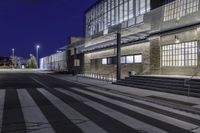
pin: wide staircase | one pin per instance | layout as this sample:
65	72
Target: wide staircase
183	86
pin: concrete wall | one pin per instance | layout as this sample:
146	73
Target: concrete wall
93	61
160	32
183	35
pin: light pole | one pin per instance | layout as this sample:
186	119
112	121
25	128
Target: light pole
13	57
37	51
118	69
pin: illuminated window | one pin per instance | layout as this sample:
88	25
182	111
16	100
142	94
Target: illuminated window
125	10
77	62
137	58
72	52
108	13
129	59
123	60
180	54
180	8
109	61
104	61
131	14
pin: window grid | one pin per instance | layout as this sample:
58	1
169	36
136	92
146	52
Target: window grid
180	8
108	13
180	54
134	59
128	59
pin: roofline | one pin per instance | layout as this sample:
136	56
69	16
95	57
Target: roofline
90	7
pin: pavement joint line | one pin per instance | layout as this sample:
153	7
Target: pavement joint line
167	104
45	86
39	82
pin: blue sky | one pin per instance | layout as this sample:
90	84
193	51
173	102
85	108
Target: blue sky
24	23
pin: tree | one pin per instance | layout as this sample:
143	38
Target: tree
32	63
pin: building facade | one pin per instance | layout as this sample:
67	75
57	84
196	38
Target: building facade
75	58
56	61
5	62
157	37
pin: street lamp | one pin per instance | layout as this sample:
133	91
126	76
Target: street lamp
13	52
13	56
37	50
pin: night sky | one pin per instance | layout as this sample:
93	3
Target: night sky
24	23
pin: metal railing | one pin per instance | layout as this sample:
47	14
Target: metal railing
187	81
103	77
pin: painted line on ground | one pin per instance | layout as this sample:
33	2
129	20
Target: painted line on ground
36	122
86	125
2	101
194	116
160	117
123	118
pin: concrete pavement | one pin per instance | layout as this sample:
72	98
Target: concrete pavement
43	103
130	90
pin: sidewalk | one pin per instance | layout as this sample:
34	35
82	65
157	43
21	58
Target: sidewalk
130	90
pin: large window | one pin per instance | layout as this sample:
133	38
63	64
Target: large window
138	58
104	61
180	54
128	59
108	13
180	8
109	60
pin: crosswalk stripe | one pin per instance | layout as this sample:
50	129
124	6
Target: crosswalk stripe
79	120
35	120
107	123
57	119
194	116
2	100
196	130
13	119
160	117
129	121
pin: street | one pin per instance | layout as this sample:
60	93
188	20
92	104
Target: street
39	103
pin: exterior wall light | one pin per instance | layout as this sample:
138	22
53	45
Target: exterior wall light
177	40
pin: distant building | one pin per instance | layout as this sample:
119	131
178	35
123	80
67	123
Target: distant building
5	62
56	61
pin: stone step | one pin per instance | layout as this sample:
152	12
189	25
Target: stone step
159	89
171	80
164	84
161	82
185	88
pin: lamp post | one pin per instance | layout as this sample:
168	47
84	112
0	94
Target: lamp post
118	69
13	56
37	51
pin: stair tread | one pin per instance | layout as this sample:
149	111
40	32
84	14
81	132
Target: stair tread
164	84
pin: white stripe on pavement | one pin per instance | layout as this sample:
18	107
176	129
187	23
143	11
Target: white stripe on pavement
86	125
195	116
160	117
129	121
196	130
2	102
36	122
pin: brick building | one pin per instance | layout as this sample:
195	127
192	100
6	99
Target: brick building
157	37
